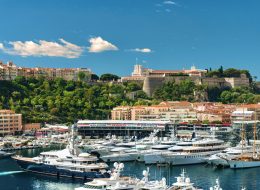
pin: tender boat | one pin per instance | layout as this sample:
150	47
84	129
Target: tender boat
183	183
216	186
115	182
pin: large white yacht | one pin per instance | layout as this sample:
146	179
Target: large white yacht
246	160
221	159
155	154
120	154
197	153
68	162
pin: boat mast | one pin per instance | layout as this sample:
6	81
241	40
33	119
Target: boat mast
72	140
254	145
242	134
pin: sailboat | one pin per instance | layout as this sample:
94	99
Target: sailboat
246	160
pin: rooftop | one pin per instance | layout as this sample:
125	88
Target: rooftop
122	122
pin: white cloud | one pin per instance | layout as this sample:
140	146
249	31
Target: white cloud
169	2
143	50
43	48
100	45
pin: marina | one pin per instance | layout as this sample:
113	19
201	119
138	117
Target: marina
68	166
129	95
201	175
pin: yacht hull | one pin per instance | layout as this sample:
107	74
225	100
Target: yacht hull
234	164
185	160
154	159
52	170
217	161
118	158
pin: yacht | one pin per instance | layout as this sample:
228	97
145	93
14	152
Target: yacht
68	162
155	155
195	154
120	154
220	159
158	152
183	183
216	186
246	160
115	182
146	184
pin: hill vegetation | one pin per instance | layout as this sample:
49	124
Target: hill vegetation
60	101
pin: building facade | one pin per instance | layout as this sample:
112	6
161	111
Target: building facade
177	112
153	79
10	122
10	71
121	128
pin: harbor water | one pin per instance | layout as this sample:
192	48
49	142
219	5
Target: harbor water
12	178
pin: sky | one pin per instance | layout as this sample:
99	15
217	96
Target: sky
111	36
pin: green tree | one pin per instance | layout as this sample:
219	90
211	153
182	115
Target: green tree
109	77
82	76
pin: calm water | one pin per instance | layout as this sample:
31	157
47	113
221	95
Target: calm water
200	175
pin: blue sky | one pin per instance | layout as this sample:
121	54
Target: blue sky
108	35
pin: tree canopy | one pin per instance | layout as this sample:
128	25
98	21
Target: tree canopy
230	72
60	101
109	77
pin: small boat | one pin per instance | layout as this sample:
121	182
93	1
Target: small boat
146	184
115	182
183	183
217	186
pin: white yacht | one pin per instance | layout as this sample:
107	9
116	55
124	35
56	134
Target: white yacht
221	159
195	154
246	160
216	186
183	183
115	182
158	152
120	154
145	184
155	155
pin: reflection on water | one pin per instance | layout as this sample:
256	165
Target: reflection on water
10	172
200	175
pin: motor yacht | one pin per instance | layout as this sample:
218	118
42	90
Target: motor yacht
68	162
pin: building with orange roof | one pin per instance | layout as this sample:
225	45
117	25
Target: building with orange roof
10	71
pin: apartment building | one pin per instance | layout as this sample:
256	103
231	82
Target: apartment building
10	71
175	111
178	112
10	122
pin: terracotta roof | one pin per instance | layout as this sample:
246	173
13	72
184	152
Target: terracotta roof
168	71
